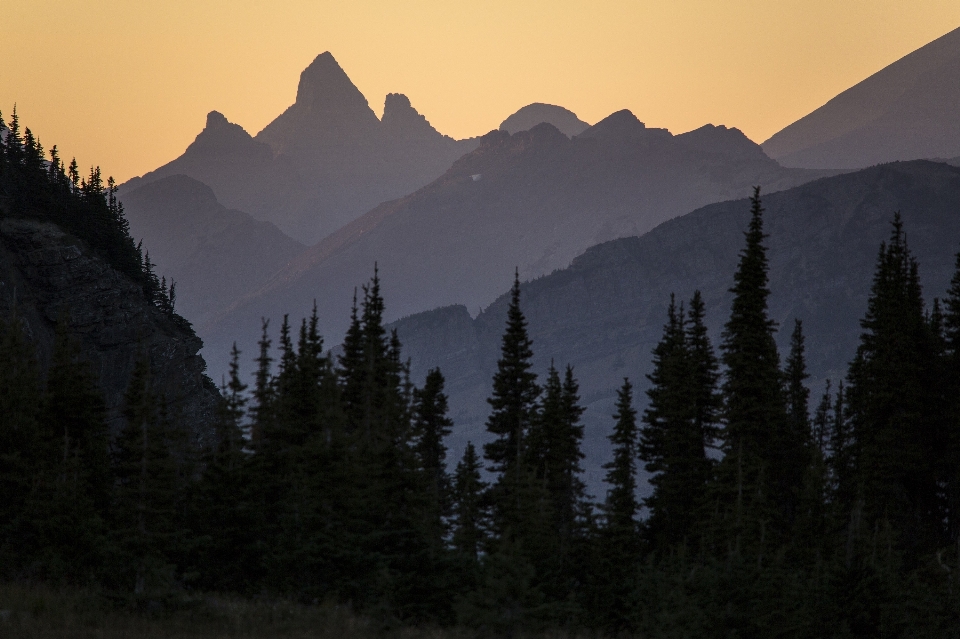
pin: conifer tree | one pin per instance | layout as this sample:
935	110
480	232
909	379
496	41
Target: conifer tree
672	443
469	518
72	484
144	504
432	425
616	557
20	403
758	485
951	384
889	396
514	409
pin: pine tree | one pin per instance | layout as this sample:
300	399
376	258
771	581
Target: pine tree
757	484
144	523
72	486
514	409
889	395
432	425
951	382
469	518
20	403
615	561
673	441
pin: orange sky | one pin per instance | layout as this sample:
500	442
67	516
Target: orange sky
126	84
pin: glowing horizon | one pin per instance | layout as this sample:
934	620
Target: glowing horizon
127	86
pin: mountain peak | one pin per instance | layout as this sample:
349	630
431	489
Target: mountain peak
220	135
730	142
533	114
401	120
325	87
620	124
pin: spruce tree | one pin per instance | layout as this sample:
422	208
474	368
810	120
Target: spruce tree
514	409
757	483
890	397
432	425
673	442
20	403
951	383
469	517
144	523
71	494
615	561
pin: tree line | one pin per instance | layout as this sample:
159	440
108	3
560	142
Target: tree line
327	478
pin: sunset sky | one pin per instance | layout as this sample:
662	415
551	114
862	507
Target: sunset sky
127	84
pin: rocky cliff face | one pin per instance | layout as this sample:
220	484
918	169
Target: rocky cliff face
49	275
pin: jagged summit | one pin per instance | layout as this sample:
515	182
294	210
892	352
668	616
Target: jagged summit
323	162
730	142
221	136
533	114
325	88
401	120
329	109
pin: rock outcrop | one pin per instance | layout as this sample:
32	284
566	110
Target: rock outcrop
50	276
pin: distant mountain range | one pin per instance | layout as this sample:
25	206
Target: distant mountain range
908	110
605	312
533	200
322	162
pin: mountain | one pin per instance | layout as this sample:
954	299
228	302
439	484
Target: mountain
533	114
47	274
324	161
906	111
215	254
605	312
532	200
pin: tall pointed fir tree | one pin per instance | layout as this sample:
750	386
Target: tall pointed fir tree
432	425
469	516
71	495
144	510
222	515
619	544
757	485
890	394
673	440
514	409
951	336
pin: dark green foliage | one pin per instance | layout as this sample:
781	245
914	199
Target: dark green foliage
86	208
678	426
758	480
893	406
329	482
514	409
615	568
432	425
144	521
20	404
469	516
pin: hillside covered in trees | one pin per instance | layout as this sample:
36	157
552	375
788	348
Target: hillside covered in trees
327	478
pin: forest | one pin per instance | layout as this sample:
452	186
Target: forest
326	478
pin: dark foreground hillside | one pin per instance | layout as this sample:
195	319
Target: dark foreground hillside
604	313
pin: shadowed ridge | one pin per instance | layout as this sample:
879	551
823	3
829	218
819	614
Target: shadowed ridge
905	111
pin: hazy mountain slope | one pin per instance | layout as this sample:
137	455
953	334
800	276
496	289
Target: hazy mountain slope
215	254
533	200
533	114
906	111
322	162
605	313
